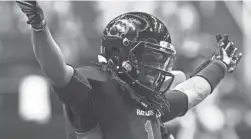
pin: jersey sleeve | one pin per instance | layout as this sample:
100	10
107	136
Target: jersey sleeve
77	92
78	103
178	102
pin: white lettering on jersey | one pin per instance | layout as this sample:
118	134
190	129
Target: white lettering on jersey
145	113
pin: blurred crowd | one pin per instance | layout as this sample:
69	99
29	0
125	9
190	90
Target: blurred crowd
29	109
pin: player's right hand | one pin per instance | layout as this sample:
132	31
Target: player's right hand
227	53
33	12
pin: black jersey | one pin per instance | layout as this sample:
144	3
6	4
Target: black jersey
93	98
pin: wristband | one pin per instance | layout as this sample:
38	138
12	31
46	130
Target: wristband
43	24
213	73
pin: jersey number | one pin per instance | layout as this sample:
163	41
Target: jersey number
149	129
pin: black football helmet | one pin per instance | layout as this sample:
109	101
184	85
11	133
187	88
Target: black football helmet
138	45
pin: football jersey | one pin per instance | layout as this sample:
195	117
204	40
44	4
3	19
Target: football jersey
93	98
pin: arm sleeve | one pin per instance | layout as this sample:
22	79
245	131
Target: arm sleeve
178	102
78	103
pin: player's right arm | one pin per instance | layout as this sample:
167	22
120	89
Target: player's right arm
45	48
71	86
51	58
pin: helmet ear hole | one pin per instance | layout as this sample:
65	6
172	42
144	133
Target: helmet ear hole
126	42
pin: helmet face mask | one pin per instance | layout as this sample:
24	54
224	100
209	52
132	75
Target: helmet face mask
153	63
140	47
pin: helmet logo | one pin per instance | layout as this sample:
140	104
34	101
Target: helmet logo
119	28
128	26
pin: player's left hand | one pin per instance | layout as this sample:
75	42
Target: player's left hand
227	53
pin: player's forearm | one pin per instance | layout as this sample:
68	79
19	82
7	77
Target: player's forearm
196	89
203	83
49	57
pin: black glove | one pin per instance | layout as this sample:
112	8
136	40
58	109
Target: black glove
227	53
34	13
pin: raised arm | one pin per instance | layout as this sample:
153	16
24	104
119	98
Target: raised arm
51	58
210	73
202	83
45	48
70	85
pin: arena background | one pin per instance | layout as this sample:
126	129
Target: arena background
30	110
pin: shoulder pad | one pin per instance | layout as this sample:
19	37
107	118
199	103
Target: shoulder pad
93	73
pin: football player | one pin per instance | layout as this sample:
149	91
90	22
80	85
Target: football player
126	94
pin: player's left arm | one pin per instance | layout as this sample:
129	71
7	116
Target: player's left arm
202	83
